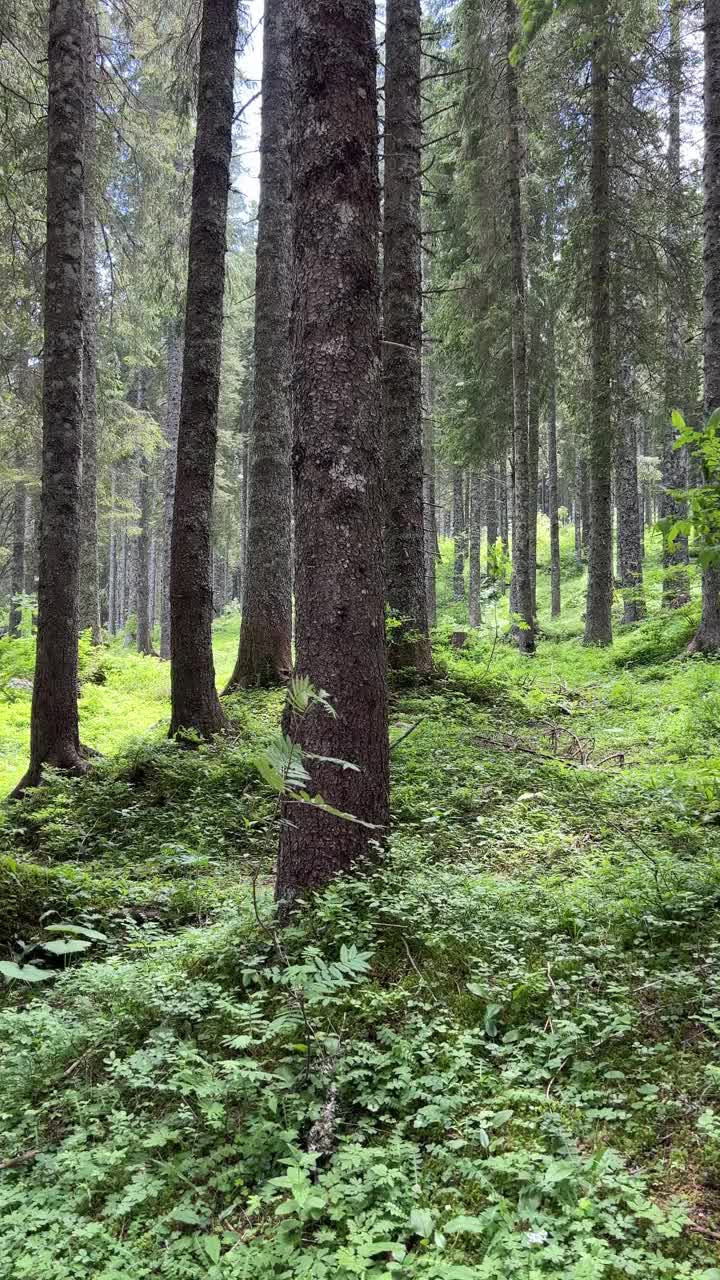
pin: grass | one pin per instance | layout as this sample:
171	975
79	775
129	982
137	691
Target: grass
508	1032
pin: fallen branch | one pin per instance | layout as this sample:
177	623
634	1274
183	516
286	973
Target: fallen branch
23	1158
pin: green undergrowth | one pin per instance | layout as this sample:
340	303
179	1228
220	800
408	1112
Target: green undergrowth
493	1057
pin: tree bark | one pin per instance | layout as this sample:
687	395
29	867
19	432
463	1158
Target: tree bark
459	533
265	651
172	422
474	609
195	703
402	339
54	732
338	443
429	499
598	615
676	583
707	638
89	572
491	518
17	563
143	637
553	475
522	602
629	517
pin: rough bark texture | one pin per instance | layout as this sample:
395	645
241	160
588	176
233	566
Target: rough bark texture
707	638
265	652
143	637
172	422
491	520
429	513
553	478
54	735
676	584
89	605
459	533
338	441
112	559
17	563
474	610
195	704
522	602
598	616
402	334
629	518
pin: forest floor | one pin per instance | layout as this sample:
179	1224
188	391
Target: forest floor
508	1035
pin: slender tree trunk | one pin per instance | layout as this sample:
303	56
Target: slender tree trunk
112	557
429	499
522	602
142	607
244	495
89	570
459	533
491	517
264	656
707	638
474	609
533	469
402	345
338	447
195	703
629	518
553	475
676	582
17	563
54	732
598	616
32	535
172	422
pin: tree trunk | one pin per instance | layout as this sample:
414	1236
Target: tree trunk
338	445
143	636
264	655
17	563
429	499
598	616
195	703
402	344
474	610
629	518
491	517
676	583
521	537
459	533
553	475
707	638
172	422
54	732
89	573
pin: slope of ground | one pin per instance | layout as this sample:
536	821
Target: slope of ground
495	1057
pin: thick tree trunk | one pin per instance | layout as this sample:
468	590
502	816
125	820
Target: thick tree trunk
195	703
522	600
172	422
54	733
707	638
474	609
402	334
676	583
598	616
629	518
491	518
459	533
553	477
429	499
89	571
17	563
338	445
264	655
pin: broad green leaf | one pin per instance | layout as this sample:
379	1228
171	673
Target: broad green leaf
464	1225
80	929
422	1222
69	948
25	972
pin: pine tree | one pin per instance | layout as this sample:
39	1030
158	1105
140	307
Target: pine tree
338	453
195	704
264	655
54	731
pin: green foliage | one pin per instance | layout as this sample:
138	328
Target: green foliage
703	522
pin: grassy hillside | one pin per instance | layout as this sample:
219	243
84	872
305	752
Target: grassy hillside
495	1057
